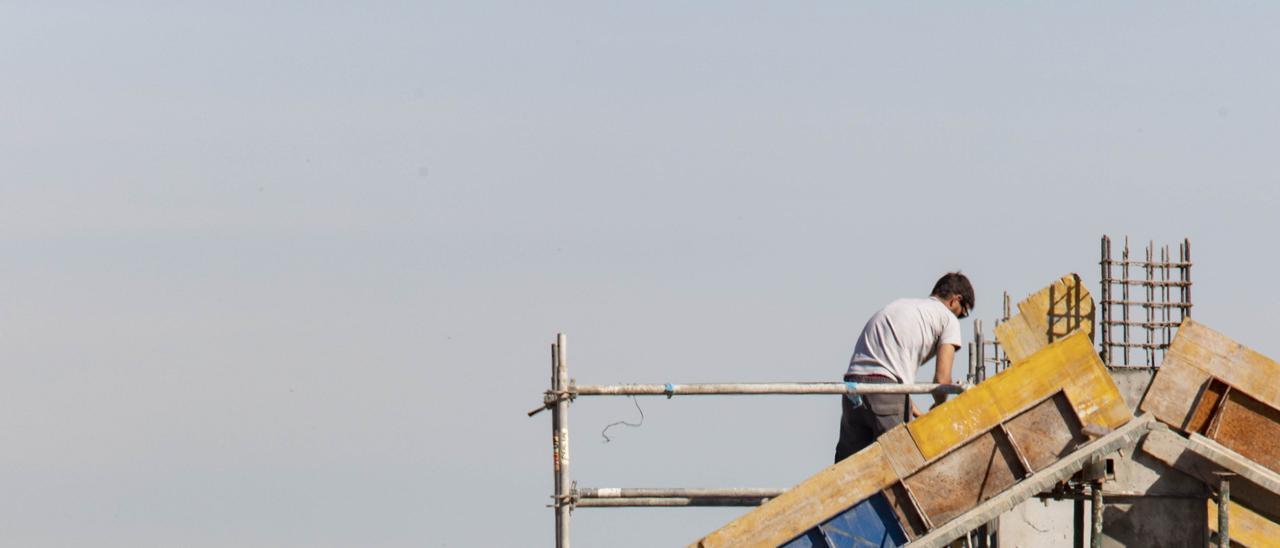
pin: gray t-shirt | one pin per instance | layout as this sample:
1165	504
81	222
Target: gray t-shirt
902	336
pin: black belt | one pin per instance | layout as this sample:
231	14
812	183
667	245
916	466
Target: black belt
869	378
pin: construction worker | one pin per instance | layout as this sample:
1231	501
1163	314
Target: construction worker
896	341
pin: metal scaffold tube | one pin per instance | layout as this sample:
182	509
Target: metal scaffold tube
560	443
668	502
762	388
675	492
1224	509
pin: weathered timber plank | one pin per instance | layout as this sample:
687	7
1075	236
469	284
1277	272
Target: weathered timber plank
1174	450
1247	527
1122	437
964	478
901	450
1174	390
908	516
1234	462
1226	359
1028	331
1070	364
1046	432
830	491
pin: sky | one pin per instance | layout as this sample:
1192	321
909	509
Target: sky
287	274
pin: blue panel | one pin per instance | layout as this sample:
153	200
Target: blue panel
868	524
812	538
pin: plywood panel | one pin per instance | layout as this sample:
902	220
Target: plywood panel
1046	432
1234	363
905	510
965	477
901	450
1028	331
1247	528
1174	389
813	501
1237	396
1070	364
1250	428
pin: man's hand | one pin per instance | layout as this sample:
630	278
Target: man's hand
915	411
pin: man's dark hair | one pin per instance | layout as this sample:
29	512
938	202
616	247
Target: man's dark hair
954	283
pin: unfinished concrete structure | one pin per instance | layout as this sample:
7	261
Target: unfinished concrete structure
1171	476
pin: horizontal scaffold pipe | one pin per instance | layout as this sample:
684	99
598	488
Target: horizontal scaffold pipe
669	502
675	492
759	388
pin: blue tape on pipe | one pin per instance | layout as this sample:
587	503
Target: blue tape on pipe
854	398
670	390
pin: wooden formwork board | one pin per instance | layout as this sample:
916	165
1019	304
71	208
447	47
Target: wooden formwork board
1215	387
1246	527
1255	491
835	488
1070	365
1047	315
958	455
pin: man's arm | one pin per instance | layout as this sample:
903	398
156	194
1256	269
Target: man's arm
942	373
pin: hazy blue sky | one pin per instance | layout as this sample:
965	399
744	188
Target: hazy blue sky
286	274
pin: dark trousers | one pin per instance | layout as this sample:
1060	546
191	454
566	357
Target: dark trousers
861	424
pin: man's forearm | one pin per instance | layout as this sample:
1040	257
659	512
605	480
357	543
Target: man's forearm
942	371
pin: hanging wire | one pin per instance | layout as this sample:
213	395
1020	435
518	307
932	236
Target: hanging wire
624	423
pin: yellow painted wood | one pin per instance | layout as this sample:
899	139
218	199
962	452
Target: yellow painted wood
1028	331
1228	360
1174	390
826	494
1069	364
1247	528
901	450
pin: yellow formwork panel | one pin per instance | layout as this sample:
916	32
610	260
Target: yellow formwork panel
1246	528
1028	331
1070	365
825	494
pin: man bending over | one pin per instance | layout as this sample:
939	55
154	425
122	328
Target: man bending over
896	341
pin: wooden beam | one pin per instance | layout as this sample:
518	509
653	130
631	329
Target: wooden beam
1234	462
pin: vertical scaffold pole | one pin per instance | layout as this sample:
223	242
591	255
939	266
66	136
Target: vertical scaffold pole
560	440
1105	264
1096	538
1224	502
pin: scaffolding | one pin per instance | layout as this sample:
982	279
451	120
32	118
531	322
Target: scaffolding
984	352
567	496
